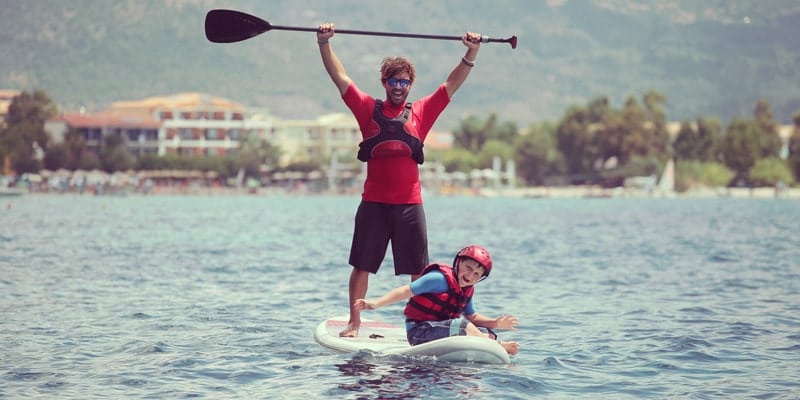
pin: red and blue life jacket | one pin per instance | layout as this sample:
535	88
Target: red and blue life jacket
439	306
391	130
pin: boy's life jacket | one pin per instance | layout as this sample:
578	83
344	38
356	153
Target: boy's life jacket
392	132
439	306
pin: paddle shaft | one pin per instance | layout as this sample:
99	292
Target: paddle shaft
228	26
387	34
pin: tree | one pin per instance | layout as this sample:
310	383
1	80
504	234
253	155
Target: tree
657	137
477	142
152	162
89	161
589	137
687	143
794	148
56	156
253	153
114	155
696	141
536	155
634	131
770	140
575	136
741	146
473	133
494	148
574	140
710	132
458	159
71	154
770	171
610	136
634	139
694	174
506	132
17	145
24	133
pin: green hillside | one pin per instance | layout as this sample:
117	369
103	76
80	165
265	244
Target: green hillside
710	58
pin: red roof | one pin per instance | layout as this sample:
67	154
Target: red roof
439	140
108	120
8	94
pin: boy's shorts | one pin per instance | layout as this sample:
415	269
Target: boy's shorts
421	332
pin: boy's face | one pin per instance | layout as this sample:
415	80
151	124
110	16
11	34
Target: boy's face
469	272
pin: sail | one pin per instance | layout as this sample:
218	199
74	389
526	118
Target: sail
666	184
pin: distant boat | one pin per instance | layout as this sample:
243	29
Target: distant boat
666	185
11	192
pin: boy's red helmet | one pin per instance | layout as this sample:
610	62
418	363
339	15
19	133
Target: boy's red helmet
477	253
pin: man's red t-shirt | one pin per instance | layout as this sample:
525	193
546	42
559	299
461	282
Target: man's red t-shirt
394	180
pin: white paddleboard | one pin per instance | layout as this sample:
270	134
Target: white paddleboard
386	338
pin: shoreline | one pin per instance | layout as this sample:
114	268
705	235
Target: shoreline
537	192
620	192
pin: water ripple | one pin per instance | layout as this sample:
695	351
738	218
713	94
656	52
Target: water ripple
217	297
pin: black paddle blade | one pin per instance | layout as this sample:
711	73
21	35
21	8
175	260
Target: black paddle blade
228	26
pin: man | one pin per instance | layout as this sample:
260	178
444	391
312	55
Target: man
393	131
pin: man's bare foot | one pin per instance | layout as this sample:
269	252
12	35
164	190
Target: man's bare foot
512	348
350	331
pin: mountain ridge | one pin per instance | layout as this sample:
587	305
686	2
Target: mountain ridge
714	58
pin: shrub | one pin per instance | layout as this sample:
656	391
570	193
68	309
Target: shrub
696	174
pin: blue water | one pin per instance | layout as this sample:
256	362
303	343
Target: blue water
217	297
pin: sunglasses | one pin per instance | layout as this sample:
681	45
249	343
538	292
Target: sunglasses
404	83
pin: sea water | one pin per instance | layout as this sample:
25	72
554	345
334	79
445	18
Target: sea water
218	297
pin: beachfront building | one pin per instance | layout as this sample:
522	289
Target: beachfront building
6	97
198	124
186	123
328	136
141	134
201	125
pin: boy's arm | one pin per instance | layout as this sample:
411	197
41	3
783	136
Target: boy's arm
393	296
501	322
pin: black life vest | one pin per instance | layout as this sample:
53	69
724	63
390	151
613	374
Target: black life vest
439	306
391	130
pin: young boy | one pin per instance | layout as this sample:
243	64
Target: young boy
439	298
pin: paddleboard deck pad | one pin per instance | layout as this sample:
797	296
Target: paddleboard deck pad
387	338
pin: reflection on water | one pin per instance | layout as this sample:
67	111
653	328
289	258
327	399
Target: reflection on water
405	377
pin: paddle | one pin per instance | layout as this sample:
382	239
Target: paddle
228	26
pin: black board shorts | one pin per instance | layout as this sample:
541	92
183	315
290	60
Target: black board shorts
376	224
